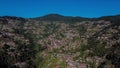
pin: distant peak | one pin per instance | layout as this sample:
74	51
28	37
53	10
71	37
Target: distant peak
53	15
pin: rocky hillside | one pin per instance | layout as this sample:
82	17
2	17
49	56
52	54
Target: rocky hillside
56	41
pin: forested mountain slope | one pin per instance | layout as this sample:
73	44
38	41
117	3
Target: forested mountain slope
60	41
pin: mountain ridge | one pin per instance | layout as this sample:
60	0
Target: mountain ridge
59	15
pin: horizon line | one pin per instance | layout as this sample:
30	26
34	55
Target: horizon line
60	15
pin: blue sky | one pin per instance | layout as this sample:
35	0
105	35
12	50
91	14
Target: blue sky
36	8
